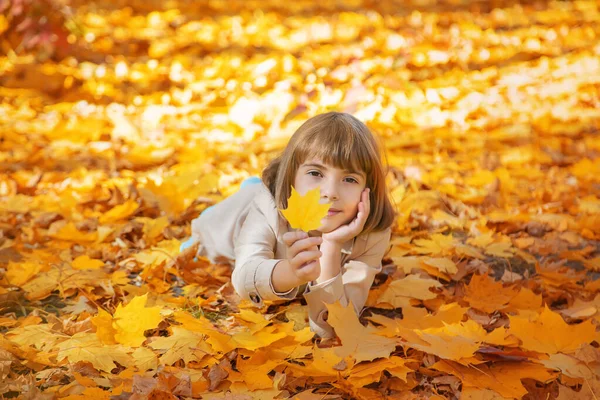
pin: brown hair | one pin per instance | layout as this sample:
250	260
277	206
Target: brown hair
341	140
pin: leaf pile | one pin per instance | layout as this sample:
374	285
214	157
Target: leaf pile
489	116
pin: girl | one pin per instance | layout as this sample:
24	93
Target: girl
337	153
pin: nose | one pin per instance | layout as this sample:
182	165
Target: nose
330	191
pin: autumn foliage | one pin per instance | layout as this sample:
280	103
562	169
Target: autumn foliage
489	114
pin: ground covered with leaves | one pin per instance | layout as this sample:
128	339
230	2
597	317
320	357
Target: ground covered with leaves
144	113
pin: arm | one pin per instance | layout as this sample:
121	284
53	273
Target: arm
254	260
258	275
351	285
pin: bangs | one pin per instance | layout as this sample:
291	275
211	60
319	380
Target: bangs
338	145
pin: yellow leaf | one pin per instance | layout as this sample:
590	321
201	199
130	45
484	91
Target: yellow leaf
181	345
501	249
366	373
131	321
442	264
71	233
84	262
504	378
569	366
104	328
357	341
305	212
438	244
255	340
20	273
144	359
119	212
549	333
90	393
86	347
412	286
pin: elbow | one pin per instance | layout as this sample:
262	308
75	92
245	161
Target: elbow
238	281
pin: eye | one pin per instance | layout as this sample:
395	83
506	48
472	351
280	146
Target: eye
352	180
314	173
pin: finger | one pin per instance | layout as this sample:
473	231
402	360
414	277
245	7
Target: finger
368	202
310	271
304	244
289	238
305	257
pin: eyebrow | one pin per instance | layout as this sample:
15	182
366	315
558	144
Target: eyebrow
324	167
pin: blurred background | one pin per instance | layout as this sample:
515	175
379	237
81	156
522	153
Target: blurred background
492	103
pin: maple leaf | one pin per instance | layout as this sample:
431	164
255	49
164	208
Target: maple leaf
119	212
105	331
305	212
504	377
85	262
549	333
181	345
357	341
400	291
255	370
366	373
131	321
487	295
86	347
144	359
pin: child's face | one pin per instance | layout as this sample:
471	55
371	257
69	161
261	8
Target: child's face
340	188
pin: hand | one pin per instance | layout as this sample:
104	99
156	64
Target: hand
349	231
302	264
303	255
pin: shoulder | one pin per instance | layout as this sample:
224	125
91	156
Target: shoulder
263	201
375	239
376	236
262	197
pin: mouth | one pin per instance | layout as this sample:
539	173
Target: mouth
333	211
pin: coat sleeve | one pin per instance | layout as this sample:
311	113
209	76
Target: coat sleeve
254	260
351	285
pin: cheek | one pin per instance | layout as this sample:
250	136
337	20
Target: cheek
354	198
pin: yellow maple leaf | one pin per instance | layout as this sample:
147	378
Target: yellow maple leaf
366	373
305	212
104	328
504	378
357	341
400	291
144	359
85	262
86	347
438	244
20	273
119	212
549	333
131	321
181	345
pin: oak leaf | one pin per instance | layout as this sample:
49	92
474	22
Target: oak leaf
305	212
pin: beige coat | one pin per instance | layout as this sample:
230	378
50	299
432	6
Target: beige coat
246	227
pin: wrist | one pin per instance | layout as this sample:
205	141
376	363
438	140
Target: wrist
282	278
331	245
